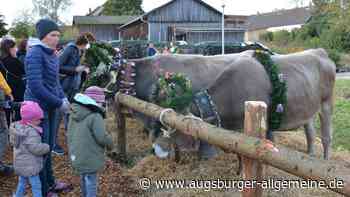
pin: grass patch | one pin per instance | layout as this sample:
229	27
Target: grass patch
341	116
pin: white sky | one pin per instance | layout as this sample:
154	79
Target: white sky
11	8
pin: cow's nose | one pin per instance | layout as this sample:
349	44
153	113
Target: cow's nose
159	151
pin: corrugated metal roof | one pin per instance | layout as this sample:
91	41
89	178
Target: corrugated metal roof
279	18
101	20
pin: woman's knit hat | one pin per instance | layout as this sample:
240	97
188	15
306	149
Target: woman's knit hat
44	27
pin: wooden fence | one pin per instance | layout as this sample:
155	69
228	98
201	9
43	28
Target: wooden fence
256	151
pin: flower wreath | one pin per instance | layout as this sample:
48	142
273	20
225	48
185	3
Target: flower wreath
175	91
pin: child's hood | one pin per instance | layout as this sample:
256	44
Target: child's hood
18	129
83	106
79	112
18	132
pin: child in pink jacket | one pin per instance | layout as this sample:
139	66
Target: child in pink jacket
28	149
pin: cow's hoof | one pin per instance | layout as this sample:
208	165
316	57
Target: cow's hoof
312	154
239	173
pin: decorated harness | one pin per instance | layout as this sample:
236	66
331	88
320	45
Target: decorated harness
175	91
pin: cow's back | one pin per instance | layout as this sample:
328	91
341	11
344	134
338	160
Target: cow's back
201	70
310	80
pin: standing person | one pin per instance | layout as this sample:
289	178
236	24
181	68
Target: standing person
13	70
151	50
71	70
28	148
5	90
173	48
22	50
166	51
4	169
43	87
87	138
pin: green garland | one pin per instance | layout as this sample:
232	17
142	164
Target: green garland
279	89
97	53
176	91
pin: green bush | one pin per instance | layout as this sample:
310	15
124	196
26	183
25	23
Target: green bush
335	56
337	38
303	33
267	37
314	42
282	37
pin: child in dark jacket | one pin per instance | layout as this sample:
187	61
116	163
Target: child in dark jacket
28	149
87	138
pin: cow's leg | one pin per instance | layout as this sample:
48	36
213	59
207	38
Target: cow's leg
269	135
310	134
240	165
326	127
206	150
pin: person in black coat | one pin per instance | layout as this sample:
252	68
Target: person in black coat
22	50
13	71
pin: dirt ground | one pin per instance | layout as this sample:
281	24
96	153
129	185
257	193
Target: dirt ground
122	180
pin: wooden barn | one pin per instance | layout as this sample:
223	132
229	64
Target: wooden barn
191	20
103	27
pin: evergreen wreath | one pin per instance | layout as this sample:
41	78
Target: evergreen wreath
97	53
175	91
279	89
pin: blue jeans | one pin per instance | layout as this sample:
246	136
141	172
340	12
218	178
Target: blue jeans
34	182
3	143
69	94
59	117
3	135
49	125
88	184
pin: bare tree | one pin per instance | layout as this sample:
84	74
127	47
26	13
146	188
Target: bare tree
3	30
51	8
25	16
298	3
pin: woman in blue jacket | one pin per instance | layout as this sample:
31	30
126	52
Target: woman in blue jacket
43	87
70	70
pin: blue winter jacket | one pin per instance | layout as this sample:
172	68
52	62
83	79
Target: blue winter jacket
68	61
43	86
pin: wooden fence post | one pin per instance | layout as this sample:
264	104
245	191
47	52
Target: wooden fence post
254	125
121	135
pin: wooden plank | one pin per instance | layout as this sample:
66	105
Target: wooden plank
254	125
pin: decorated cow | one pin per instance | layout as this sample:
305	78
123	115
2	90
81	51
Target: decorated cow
309	78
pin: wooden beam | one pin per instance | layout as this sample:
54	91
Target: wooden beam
121	136
254	125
